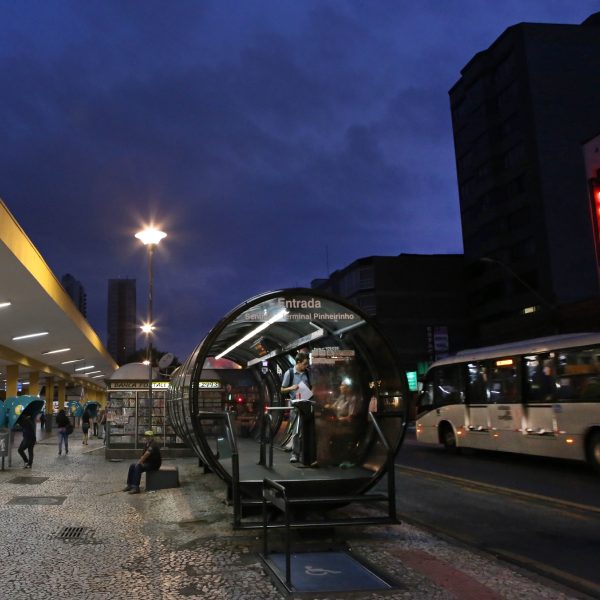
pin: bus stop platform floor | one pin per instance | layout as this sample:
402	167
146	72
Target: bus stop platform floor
69	531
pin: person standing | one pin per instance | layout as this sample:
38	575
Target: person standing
149	461
28	441
303	438
85	425
64	427
343	438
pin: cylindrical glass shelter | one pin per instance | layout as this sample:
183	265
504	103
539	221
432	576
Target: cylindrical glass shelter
238	369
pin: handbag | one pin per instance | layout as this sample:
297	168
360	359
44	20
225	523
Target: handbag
69	428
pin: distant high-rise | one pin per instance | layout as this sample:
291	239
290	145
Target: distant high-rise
121	318
520	113
76	291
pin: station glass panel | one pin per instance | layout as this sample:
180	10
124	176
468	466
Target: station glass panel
238	369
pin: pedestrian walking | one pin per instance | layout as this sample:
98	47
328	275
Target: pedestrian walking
85	425
28	441
65	428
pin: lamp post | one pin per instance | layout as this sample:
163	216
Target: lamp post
551	308
495	261
150	237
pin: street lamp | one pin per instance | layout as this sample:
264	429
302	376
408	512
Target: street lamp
495	261
150	237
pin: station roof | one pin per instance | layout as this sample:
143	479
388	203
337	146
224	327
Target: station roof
39	303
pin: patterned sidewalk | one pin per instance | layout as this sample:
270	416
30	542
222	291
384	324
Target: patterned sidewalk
178	544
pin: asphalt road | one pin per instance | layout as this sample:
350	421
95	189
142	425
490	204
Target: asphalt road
542	514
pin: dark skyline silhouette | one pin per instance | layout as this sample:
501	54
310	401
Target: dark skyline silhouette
272	141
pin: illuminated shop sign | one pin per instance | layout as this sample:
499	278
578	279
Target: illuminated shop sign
411	377
212	384
137	385
329	355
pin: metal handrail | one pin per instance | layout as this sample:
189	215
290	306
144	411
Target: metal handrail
225	416
267	434
272	489
391	475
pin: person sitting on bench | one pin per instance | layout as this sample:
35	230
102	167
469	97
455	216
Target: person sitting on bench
149	461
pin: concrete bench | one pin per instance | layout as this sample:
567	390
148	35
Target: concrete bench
165	477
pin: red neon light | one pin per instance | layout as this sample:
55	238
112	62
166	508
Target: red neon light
597	200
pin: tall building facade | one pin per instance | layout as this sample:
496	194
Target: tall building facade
520	113
416	299
76	292
121	318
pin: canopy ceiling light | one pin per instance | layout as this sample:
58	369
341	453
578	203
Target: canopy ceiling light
29	335
69	362
260	328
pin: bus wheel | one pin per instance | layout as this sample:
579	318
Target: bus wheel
448	438
593	450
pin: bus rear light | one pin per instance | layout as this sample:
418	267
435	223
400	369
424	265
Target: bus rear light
569	441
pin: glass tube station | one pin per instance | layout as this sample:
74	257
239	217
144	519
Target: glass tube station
226	399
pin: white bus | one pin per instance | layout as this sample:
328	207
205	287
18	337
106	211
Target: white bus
539	396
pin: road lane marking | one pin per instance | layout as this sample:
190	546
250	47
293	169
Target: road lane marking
496	488
552	572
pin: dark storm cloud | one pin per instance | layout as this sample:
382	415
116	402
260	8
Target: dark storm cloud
273	139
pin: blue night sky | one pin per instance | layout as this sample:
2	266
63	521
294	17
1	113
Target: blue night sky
271	139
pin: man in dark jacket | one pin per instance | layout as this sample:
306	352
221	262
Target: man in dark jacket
149	461
28	441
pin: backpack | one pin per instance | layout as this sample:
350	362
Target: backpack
291	381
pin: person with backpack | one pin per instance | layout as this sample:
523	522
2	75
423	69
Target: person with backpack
303	438
65	428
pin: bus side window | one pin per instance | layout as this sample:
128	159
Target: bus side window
447	385
477	379
425	401
541	378
579	375
504	381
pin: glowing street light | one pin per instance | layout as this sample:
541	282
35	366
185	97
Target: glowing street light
150	237
147	328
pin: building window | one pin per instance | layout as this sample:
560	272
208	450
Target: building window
514	157
504	69
507	96
520	218
368	304
522	250
367	279
516	186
